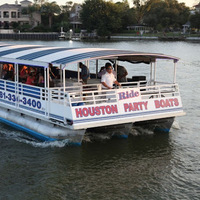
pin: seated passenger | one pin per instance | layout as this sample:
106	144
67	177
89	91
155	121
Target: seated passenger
121	73
108	79
4	74
41	80
9	74
103	70
23	74
85	73
31	78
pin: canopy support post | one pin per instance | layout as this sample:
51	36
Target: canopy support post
16	82
78	69
155	72
97	68
175	64
151	73
115	68
63	79
61	75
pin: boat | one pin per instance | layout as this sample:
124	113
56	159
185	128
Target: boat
62	35
172	38
61	107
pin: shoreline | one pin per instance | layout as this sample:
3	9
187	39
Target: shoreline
55	36
153	38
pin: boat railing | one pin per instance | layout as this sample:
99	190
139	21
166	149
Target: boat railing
158	91
29	98
98	97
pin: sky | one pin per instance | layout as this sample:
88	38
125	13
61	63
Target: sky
189	3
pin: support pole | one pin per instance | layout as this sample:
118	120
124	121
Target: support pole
151	73
61	75
64	80
97	68
175	64
78	69
155	72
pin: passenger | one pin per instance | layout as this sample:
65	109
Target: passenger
121	74
108	79
41	79
31	78
4	74
51	73
9	74
23	74
103	71
85	73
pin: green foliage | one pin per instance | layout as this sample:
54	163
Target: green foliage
24	27
195	20
166	14
50	9
101	16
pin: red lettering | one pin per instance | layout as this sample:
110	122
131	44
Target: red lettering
136	106
145	104
102	109
172	102
114	109
108	109
97	111
176	102
125	107
79	112
157	104
167	104
92	113
140	104
85	112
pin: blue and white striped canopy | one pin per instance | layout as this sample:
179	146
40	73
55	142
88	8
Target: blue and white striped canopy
39	55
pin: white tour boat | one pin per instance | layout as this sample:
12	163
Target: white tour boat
42	94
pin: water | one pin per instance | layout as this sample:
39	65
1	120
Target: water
144	166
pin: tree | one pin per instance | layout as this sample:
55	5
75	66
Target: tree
142	7
195	20
101	16
127	15
50	9
166	14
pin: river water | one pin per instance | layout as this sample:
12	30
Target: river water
146	166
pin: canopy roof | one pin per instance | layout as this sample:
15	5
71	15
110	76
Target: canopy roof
39	55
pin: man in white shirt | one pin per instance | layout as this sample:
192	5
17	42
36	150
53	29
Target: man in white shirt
108	79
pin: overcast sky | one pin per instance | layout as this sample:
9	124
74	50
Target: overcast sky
189	3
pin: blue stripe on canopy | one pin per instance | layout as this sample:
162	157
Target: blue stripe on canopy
35	55
3	53
90	55
3	45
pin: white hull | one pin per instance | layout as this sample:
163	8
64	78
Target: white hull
43	130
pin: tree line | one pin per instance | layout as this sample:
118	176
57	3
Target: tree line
107	17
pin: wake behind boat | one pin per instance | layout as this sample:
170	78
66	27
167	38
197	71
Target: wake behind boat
39	93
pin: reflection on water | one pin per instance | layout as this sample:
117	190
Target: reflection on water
147	166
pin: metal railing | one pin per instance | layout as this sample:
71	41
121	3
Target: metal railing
94	94
70	96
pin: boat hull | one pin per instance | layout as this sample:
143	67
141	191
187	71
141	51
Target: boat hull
40	129
157	125
120	131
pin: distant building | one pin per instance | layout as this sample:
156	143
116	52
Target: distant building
13	13
186	27
139	28
74	17
197	7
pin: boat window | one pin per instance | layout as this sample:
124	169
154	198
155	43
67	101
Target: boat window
7	71
31	75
